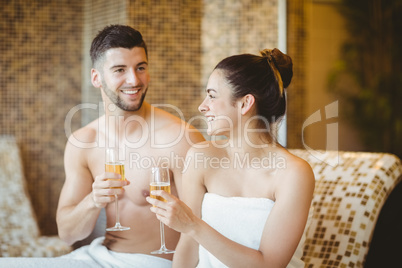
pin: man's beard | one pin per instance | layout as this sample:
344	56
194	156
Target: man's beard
120	103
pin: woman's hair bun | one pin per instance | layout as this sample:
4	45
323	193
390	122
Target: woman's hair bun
282	62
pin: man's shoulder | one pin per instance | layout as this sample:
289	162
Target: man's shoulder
87	134
168	126
166	118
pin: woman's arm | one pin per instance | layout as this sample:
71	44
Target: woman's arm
282	231
192	192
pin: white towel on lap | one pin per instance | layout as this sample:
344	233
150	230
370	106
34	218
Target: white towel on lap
95	255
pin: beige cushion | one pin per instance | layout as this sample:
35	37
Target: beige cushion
17	220
347	201
19	232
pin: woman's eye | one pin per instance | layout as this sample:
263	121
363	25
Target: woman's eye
119	70
211	97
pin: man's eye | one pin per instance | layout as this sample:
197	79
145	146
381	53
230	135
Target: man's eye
141	68
119	70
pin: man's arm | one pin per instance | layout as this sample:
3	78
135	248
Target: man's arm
82	198
76	212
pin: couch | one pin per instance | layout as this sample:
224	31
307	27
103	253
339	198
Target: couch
351	190
19	231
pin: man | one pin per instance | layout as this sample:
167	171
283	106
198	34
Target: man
145	135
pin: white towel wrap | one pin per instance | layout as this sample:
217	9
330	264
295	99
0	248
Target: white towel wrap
241	220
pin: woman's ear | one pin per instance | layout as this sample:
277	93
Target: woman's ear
247	102
96	78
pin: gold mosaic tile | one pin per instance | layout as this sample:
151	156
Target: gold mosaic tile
40	52
346	205
296	23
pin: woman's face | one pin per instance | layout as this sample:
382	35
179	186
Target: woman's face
218	107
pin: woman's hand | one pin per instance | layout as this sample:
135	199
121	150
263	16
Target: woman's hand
173	213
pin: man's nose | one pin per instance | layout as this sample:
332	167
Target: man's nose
132	77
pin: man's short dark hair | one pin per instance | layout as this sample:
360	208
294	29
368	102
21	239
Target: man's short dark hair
115	36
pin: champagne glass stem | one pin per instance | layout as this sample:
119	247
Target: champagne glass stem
117	226
162	227
160	181
117	210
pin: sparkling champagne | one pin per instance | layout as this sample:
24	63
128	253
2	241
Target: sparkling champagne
160	186
115	167
160	180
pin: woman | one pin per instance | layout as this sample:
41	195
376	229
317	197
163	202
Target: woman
246	199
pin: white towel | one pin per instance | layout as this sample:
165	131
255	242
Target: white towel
95	255
241	220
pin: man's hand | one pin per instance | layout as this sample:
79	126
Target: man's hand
105	187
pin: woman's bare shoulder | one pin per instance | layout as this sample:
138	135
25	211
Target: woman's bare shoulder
295	168
296	177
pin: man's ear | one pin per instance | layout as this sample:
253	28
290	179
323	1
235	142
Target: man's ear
96	78
247	102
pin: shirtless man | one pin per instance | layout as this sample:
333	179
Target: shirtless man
120	71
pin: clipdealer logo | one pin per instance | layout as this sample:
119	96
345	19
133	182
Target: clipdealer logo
332	136
330	111
200	160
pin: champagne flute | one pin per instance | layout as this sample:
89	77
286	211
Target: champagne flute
114	165
160	181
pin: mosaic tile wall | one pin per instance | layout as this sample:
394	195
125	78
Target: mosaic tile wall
296	22
40	80
243	27
97	14
45	67
186	39
172	31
